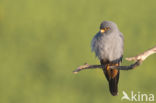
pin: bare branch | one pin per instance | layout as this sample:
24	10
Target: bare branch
87	66
138	60
143	55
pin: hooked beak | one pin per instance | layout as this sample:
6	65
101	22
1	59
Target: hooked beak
102	30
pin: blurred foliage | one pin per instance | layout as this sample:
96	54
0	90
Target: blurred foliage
43	41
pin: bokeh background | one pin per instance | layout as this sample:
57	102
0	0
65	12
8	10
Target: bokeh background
43	41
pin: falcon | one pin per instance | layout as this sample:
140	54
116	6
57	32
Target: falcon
108	47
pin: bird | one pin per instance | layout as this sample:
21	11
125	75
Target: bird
108	45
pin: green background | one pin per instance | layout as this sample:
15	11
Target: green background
43	41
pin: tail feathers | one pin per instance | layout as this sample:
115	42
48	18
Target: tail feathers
113	86
113	77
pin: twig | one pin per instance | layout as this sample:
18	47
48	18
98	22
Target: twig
138	60
87	66
143	55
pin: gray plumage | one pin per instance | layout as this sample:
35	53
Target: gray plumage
108	45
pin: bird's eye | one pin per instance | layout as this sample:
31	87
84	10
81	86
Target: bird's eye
107	28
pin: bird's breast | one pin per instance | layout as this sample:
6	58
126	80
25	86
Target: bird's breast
108	47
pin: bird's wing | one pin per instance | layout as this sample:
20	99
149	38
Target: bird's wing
122	37
93	43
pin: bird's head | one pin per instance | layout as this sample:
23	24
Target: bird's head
107	27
